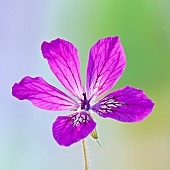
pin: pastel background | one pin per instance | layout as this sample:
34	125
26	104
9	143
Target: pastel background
26	141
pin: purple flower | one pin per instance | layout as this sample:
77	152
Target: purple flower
106	64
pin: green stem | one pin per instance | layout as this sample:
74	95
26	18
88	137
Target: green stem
85	155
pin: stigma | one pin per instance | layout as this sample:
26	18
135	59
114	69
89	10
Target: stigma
85	105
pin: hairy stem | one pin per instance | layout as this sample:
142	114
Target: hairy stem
85	155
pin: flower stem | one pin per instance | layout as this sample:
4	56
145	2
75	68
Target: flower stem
85	155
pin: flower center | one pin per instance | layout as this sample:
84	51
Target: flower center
85	105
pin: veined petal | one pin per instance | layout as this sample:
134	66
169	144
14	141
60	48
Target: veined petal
105	66
43	95
71	129
63	60
126	105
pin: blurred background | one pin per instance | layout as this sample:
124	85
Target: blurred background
26	141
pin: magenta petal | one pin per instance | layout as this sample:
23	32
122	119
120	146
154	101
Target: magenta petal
63	60
71	129
105	66
126	105
42	94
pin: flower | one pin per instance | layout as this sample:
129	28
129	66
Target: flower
106	64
